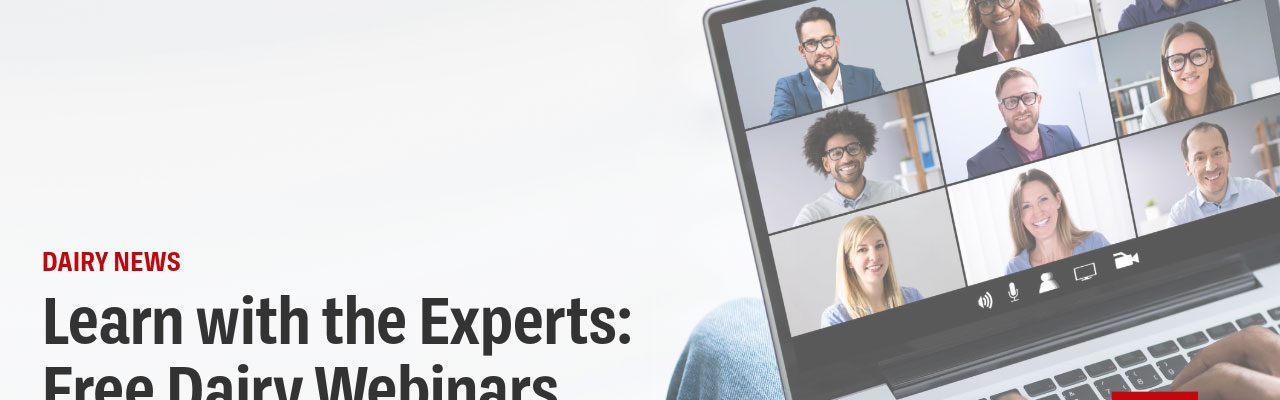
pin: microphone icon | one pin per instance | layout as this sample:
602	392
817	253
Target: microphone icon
1013	292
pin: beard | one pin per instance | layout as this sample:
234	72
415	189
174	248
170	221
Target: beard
1025	126
825	71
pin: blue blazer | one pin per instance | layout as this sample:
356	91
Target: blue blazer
796	94
1001	154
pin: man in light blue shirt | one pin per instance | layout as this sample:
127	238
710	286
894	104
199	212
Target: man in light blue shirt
1207	159
837	145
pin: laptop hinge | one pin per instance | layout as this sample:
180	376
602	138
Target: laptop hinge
932	367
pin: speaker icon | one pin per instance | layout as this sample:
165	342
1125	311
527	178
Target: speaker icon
985	301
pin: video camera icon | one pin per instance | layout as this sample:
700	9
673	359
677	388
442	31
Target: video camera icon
1125	260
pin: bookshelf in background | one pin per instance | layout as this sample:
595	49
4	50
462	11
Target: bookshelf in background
1268	150
1128	101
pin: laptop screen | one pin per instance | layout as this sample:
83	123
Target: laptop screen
894	155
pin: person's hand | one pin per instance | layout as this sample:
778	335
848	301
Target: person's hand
1245	365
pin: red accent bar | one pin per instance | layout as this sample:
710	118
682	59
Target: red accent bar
1155	396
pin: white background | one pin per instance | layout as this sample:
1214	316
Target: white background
1092	185
495	153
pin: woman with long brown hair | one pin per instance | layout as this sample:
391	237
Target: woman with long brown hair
1192	77
1042	228
865	279
1006	29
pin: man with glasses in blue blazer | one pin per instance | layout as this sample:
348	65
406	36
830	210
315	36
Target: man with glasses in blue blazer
1023	139
827	82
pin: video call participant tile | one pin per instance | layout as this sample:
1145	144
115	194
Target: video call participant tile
843	159
870	261
800	60
1201	167
1022	111
1041	212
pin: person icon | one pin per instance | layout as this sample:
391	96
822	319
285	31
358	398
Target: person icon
1047	283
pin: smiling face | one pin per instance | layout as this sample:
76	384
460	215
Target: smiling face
869	258
1192	79
1003	21
822	61
848	169
1208	161
1039	210
1023	118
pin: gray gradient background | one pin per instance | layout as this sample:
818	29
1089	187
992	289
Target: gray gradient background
787	183
922	243
1154	164
1240	29
873	33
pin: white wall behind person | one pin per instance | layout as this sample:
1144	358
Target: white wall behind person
873	34
955	15
967	115
922	244
1240	29
1156	170
1092	184
787	183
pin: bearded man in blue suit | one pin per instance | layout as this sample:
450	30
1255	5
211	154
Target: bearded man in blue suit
827	82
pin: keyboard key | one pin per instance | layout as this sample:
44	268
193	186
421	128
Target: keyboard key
1164	388
1130	359
1113	383
1144	377
1193	340
1171	366
1069	378
1221	331
1100	368
1255	319
1192	354
1275	313
1050	397
1082	392
1163	349
1010	394
1039	387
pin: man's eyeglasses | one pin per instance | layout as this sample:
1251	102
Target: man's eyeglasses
812	45
853	149
986	7
1198	57
1028	98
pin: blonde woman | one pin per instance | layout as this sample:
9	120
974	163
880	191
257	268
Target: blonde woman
1191	72
1041	226
865	278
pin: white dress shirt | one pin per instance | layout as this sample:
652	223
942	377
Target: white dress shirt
1024	39
830	97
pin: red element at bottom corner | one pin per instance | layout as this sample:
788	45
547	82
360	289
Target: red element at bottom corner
1155	396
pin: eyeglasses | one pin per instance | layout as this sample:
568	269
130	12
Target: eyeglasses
986	7
1028	98
853	149
812	45
1198	57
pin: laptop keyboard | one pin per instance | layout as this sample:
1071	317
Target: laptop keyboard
1148	369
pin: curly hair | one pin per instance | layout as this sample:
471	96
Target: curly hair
837	122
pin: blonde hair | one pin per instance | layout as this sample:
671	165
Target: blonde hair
1220	93
848	290
1069	236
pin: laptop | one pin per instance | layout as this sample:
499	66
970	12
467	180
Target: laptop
1003	199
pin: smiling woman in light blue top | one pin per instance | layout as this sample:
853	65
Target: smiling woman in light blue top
865	278
1041	226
